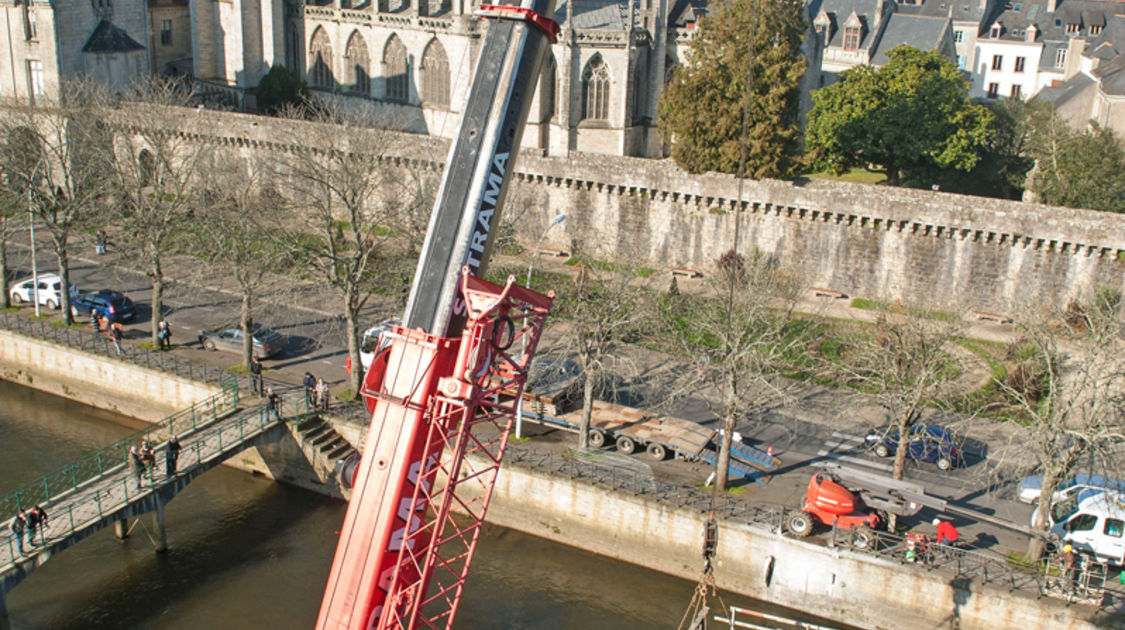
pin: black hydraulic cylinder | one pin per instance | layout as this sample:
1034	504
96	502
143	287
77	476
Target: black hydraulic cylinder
478	170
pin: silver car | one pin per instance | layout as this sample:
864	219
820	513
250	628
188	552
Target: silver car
1031	487
267	341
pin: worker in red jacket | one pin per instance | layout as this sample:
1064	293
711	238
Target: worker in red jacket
946	532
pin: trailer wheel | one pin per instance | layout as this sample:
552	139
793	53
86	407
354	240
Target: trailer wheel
944	463
595	438
862	538
625	444
657	451
800	524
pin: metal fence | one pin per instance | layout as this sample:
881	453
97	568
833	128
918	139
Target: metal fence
109	458
97	343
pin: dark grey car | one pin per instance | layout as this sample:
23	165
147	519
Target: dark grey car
267	341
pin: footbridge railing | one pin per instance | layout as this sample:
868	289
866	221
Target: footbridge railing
100	489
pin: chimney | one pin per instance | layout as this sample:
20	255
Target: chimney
1052	6
1029	37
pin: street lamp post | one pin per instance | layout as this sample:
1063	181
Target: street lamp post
535	254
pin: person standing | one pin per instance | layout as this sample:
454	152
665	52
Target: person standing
17	526
41	516
136	466
100	240
310	389
273	403
172	455
32	518
256	376
164	334
116	332
322	394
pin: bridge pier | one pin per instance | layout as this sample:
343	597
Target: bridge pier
120	529
161	541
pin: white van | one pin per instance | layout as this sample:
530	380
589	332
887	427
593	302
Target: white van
1092	521
374	341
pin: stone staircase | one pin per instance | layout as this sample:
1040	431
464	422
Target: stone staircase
322	446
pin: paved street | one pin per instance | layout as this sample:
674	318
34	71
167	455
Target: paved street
826	425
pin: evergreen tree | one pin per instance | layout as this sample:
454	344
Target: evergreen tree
279	88
701	112
904	119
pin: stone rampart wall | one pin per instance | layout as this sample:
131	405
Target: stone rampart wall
946	250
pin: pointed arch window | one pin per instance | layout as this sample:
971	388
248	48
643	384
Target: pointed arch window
356	64
395	70
435	75
595	90
320	60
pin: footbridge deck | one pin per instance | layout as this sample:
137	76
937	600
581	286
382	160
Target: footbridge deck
99	489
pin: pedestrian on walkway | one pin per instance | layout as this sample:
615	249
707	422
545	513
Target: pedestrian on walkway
136	465
41	516
17	526
100	241
148	457
273	403
164	334
32	518
310	389
172	455
322	394
256	376
116	333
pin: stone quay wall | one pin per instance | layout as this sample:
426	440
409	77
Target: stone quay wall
930	248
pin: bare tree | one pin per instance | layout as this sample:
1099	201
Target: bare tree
158	159
905	363
10	209
56	153
605	307
742	332
234	227
1067	387
345	204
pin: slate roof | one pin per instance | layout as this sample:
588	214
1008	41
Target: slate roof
1020	14
922	32
610	15
1065	92
838	12
686	12
957	10
108	38
1111	76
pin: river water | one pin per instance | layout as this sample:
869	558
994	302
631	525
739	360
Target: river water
245	552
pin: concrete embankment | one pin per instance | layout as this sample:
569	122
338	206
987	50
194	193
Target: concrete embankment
854	588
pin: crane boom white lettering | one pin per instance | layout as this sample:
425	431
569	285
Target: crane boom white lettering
483	224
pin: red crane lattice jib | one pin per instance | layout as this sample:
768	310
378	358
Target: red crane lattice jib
432	407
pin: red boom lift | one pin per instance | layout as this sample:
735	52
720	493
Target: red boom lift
403	557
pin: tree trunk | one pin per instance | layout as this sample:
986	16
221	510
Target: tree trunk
4	288
63	259
246	321
156	274
351	314
1039	521
587	411
722	465
903	447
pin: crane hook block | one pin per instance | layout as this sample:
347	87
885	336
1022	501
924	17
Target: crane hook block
509	12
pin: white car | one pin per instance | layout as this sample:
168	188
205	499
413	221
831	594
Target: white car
48	292
374	340
1030	487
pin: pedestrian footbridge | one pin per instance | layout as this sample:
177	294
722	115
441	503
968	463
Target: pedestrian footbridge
99	490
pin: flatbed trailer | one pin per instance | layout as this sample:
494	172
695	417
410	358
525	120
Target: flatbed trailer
632	430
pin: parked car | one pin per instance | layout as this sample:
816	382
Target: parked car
1031	487
49	291
374	340
114	305
927	444
267	341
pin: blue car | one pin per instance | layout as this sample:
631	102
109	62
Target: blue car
927	444
112	304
